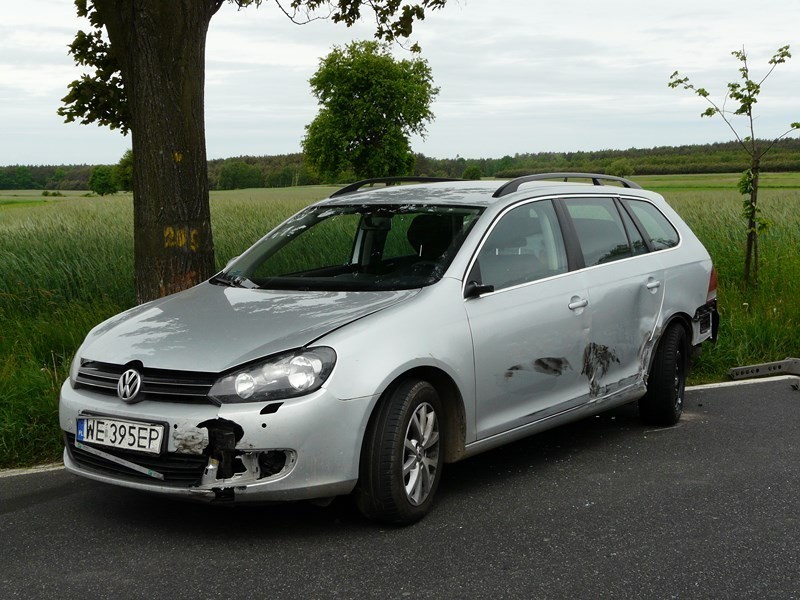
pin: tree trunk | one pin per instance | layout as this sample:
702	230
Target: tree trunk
160	47
751	250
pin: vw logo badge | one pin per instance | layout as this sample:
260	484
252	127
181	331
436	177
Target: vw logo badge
128	386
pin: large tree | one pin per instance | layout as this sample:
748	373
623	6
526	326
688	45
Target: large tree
370	104
744	95
147	60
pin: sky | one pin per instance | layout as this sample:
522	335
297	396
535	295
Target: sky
515	76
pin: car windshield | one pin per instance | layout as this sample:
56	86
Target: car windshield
355	248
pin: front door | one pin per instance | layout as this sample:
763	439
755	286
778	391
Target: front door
530	333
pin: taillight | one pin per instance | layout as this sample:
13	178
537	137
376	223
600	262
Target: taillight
712	285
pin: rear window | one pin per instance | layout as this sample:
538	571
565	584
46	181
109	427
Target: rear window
659	230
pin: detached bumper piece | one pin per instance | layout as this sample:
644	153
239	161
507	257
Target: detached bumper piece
222	467
180	470
788	366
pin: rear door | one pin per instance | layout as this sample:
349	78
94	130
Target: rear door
625	291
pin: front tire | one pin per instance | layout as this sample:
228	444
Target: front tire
402	457
663	402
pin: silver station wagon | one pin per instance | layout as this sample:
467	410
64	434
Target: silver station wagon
387	330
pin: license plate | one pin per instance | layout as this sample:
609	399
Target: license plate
116	433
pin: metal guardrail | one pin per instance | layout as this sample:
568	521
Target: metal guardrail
787	366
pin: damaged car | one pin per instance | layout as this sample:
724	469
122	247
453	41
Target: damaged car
390	329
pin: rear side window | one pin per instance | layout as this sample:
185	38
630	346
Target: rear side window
601	233
658	228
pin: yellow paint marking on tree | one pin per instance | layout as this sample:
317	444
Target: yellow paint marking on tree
182	237
177	156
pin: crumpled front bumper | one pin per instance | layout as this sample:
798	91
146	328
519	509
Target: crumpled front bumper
302	448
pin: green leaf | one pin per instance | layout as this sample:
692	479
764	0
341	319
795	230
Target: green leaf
745	187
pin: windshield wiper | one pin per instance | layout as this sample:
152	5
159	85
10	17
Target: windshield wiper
222	279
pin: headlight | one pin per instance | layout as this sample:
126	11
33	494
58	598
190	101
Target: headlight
74	367
283	376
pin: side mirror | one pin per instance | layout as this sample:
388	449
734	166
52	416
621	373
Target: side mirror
474	289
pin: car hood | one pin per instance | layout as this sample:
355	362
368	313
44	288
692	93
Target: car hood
212	328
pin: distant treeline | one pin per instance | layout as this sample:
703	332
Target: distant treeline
61	177
725	157
289	169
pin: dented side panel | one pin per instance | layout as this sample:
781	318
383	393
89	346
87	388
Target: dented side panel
529	347
626	299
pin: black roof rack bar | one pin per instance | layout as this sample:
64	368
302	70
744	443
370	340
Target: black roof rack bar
354	187
597	179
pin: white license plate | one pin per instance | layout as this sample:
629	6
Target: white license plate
142	437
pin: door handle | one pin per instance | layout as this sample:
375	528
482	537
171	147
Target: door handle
577	303
653	285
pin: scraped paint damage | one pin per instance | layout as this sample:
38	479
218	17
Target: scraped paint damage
190	440
597	359
645	354
547	365
551	366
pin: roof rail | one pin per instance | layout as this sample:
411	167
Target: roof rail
354	187
597	179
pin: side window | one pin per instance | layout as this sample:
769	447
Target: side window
525	245
600	230
637	241
660	231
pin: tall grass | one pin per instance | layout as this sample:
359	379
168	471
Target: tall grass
759	324
67	263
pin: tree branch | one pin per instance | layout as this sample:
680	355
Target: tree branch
293	15
795	127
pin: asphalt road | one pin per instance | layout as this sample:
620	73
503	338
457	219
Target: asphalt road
605	508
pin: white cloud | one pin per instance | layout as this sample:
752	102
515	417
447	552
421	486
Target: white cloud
515	76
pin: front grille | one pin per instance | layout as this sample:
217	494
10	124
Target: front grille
159	385
178	469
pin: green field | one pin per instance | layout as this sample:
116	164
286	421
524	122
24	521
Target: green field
66	263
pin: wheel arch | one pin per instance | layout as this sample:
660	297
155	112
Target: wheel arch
455	418
683	320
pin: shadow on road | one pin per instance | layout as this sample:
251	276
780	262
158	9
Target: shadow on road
474	479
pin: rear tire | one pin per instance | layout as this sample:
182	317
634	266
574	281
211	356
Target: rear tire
402	456
663	402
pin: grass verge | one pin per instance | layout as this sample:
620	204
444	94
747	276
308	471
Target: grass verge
66	264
